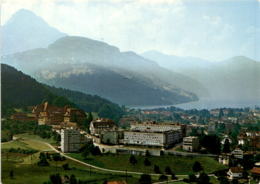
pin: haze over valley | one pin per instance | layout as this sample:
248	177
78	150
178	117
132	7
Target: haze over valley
127	78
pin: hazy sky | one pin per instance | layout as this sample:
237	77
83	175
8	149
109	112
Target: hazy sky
211	29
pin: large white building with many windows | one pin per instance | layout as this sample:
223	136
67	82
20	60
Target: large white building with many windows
70	140
161	139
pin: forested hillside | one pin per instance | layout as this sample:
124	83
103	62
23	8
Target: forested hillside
20	90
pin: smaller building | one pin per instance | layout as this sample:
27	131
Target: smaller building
100	125
190	143
70	140
74	115
235	173
116	182
23	117
111	137
238	153
255	173
224	159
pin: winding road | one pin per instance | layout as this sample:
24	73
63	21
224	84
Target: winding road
111	170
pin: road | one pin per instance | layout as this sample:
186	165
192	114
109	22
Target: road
114	171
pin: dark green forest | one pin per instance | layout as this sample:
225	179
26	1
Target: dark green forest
20	90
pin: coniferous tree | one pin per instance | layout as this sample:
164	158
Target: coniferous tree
197	167
226	147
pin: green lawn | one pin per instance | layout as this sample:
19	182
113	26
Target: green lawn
178	164
33	174
26	143
35	138
26	169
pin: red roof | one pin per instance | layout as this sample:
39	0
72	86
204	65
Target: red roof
255	170
236	169
116	182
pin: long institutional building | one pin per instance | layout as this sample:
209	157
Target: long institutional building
162	139
143	134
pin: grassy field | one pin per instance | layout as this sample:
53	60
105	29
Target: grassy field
26	170
33	174
179	165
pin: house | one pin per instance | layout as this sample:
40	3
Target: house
224	159
235	173
190	143
111	137
100	125
238	153
255	173
74	115
226	138
116	182
19	116
48	114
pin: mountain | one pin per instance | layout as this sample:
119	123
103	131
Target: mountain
234	79
20	90
25	31
176	63
97	68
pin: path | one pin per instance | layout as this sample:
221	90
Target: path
111	170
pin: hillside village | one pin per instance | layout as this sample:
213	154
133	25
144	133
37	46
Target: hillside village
130	92
230	136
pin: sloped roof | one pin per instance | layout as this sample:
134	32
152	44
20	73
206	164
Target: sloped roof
255	170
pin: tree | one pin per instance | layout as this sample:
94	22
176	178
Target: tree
223	180
132	160
234	181
43	160
147	162
163	177
221	113
211	143
95	151
192	178
86	149
203	178
226	147
66	166
73	179
173	176
90	117
168	170
11	174
145	179
147	153
197	167
55	179
157	169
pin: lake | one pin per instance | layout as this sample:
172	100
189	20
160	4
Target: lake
206	103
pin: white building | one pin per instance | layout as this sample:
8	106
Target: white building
238	153
190	143
70	140
157	127
100	125
161	139
235	173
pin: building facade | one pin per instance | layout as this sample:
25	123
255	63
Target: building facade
70	140
155	127
101	125
190	143
161	139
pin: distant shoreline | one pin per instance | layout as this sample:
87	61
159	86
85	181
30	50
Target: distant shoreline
204	104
